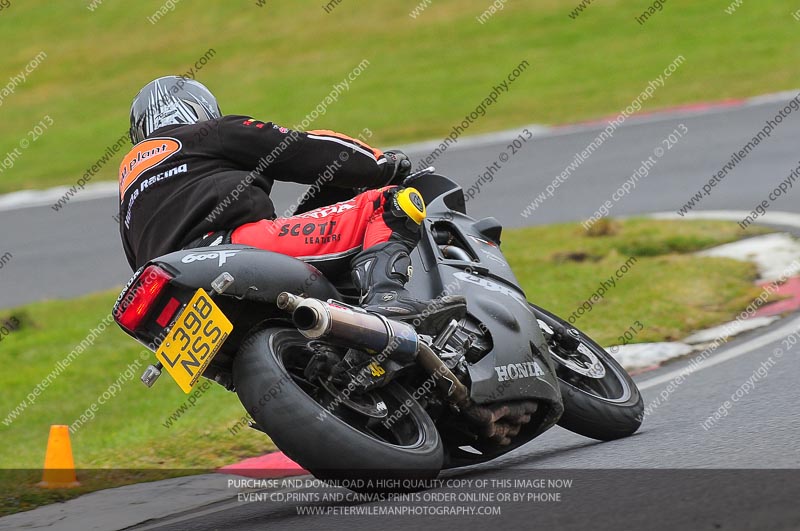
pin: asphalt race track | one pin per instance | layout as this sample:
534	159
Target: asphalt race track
759	432
77	251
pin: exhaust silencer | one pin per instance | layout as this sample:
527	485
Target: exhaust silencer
373	333
351	327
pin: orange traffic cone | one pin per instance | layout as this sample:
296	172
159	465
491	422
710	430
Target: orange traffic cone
59	468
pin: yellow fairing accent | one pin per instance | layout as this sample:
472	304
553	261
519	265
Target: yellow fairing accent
410	201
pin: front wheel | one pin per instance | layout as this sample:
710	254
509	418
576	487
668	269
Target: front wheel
381	434
601	400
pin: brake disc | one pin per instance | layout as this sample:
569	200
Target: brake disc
588	364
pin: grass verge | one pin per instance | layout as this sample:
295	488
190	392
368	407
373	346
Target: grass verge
668	290
425	73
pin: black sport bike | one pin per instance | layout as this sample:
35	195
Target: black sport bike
347	393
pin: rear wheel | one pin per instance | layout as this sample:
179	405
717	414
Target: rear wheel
332	432
601	400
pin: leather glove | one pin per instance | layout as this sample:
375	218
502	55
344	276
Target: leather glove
396	168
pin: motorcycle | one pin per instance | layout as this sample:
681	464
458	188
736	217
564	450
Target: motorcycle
347	393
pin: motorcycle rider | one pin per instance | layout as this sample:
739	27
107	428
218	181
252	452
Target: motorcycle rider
196	178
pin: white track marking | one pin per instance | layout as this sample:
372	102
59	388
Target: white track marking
786	219
735	352
38	198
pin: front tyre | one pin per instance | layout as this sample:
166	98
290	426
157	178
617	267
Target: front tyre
601	400
322	434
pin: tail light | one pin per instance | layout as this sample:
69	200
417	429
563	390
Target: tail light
137	302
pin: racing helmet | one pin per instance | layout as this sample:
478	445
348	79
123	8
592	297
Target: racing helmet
170	100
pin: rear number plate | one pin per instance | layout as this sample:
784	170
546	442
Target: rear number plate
194	340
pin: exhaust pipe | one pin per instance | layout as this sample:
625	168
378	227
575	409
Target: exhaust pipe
351	327
373	333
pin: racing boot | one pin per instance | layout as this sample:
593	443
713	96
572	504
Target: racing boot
380	274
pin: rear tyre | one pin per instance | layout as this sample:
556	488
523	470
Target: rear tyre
601	400
324	436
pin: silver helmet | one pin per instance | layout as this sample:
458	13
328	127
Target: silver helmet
170	100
